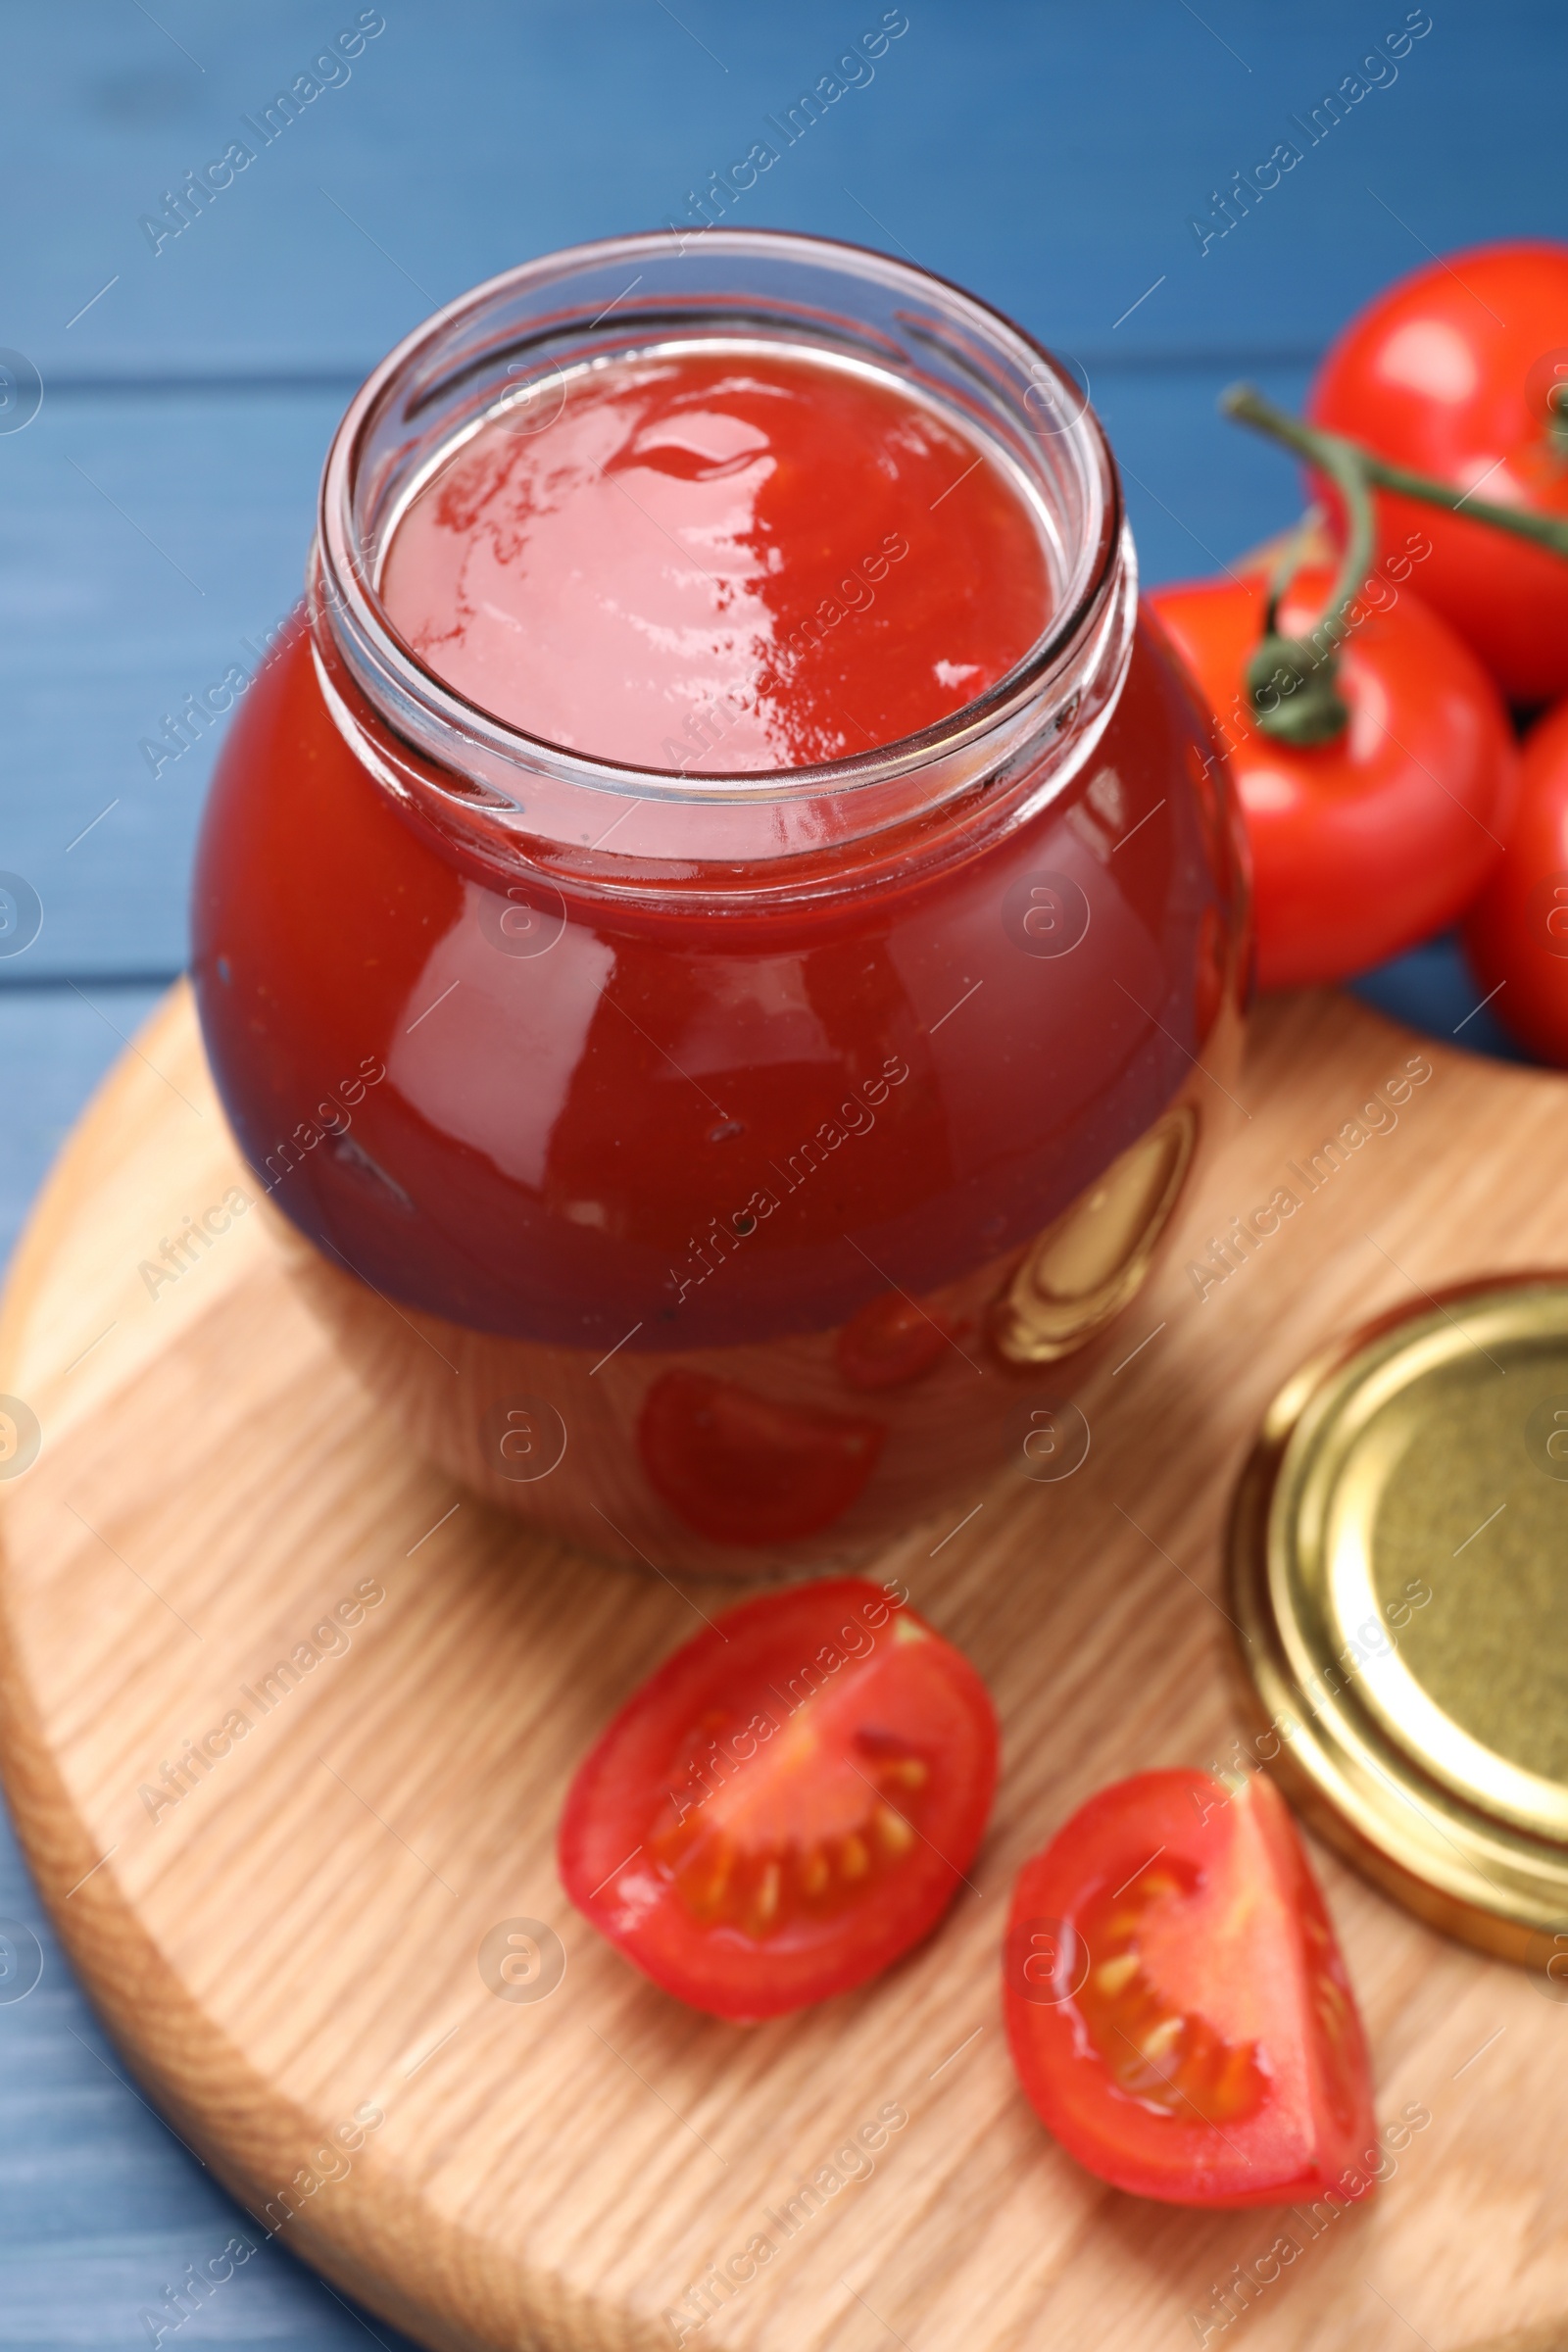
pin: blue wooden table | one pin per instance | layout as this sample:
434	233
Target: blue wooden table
154	514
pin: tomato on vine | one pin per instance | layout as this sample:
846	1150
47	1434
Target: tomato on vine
1375	786
1517	932
1460	373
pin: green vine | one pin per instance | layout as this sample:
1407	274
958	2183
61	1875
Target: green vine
1291	682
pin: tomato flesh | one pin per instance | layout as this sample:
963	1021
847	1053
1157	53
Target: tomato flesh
788	1804
1365	845
1177	2006
1448	372
1169	2057
740	1468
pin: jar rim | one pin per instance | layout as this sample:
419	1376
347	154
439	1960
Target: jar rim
396	679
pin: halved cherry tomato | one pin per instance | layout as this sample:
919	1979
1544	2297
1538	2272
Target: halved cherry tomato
890	1341
1365	845
1517	932
1450	372
1178	2010
788	1804
742	1469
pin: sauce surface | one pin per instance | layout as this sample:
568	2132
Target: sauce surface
727	561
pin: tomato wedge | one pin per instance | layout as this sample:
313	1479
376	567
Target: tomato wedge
788	1804
742	1469
1178	2009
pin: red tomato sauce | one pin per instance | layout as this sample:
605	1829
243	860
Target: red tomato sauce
719	562
673	1120
809	1109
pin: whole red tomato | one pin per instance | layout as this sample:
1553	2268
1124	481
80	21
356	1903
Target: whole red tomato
1367	844
1452	372
1517	933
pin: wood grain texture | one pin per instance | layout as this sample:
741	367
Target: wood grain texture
296	1938
1046	156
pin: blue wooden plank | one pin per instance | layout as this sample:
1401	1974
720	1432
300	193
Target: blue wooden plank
1051	156
1434	990
54	1047
146	544
1199	491
101	2206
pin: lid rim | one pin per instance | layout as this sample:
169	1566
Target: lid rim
1495	1878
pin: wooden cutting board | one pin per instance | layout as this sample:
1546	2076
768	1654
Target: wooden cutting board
308	1938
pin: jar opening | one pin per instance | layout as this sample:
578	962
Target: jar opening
512	348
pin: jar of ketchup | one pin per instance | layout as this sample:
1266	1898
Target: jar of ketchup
719	928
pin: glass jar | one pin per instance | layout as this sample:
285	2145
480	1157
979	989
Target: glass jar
722	1171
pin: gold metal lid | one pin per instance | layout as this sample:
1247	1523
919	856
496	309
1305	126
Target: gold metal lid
1398	1572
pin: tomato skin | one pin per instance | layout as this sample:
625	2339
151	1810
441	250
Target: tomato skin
1364	846
1442	374
891	1340
1250	1945
902	1709
1517	931
741	1468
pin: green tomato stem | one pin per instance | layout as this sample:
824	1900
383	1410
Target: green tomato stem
1248	407
1293	682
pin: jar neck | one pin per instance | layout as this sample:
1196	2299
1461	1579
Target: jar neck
514	810
516	803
